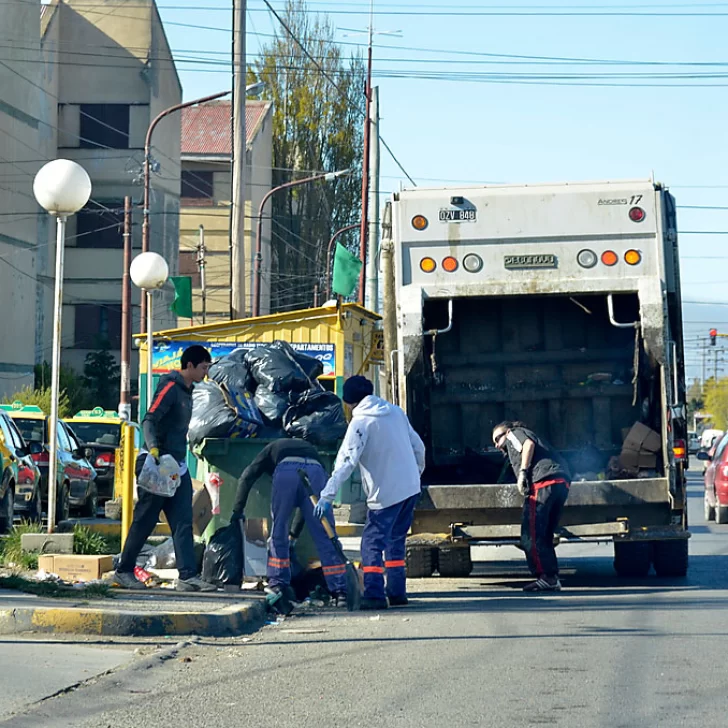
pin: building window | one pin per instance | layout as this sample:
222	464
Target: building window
197	185
188	267
97	323
100	228
104	126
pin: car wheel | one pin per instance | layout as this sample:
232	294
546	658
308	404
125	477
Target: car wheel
632	558
7	510
91	505
670	558
709	510
36	508
721	514
63	504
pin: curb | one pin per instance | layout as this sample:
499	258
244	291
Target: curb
346	530
226	622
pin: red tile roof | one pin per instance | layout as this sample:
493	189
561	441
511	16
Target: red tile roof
206	127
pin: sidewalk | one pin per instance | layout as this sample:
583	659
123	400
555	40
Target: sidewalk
153	613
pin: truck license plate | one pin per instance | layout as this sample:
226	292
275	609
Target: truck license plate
514	262
457	215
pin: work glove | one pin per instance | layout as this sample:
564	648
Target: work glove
322	509
524	483
154	452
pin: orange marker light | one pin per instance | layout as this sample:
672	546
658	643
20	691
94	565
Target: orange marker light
450	264
609	257
427	265
419	222
633	257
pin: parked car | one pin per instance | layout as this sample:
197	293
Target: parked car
693	443
716	481
20	485
76	477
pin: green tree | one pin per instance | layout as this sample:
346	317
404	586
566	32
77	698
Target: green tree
42	398
716	402
70	382
317	127
695	398
101	377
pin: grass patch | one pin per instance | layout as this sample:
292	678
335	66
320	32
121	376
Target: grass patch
88	542
11	552
55	590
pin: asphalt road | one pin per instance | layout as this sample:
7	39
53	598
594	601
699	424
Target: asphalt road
477	651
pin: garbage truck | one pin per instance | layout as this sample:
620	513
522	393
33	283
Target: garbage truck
557	305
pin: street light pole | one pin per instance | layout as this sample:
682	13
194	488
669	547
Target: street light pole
147	174
125	389
62	188
328	177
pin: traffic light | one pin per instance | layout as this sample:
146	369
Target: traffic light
713	335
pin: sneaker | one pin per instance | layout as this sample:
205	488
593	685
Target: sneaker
127	580
398	601
194	584
544	584
338	600
373	605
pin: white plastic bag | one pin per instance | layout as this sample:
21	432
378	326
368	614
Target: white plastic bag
162	479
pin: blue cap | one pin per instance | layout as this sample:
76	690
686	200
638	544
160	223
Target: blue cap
356	388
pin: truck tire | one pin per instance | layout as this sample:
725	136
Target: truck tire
421	561
709	510
670	558
721	514
632	558
454	561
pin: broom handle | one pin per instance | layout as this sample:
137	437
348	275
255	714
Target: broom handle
314	501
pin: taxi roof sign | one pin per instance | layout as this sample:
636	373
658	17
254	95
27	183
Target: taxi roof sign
98	412
18	406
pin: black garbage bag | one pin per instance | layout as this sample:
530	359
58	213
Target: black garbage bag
274	367
317	416
224	559
219	412
233	372
272	405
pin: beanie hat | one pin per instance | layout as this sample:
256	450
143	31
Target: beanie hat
356	388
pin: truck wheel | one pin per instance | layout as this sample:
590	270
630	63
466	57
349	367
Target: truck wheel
632	558
421	561
709	510
721	514
670	558
454	561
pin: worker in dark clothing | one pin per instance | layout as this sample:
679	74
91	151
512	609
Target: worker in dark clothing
543	479
165	433
283	459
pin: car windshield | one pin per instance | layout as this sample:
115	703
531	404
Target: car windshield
97	433
32	430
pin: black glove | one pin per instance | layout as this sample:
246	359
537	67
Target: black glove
524	483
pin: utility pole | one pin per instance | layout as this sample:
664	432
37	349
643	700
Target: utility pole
201	265
389	308
125	389
365	162
237	216
372	274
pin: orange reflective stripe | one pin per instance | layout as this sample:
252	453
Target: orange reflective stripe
395	564
373	569
338	569
160	396
272	561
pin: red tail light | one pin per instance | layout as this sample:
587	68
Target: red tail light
106	458
42	458
679	450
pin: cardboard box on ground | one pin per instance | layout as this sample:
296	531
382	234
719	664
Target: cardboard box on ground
76	567
640	448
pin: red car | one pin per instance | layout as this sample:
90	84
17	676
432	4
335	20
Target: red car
716	481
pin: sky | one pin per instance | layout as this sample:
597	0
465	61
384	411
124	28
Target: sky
447	122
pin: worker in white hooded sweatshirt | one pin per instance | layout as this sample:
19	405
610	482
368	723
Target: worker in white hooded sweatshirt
391	456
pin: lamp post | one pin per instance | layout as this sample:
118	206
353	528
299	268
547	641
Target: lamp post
61	187
149	271
328	177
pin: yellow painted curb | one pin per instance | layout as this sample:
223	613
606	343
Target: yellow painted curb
349	529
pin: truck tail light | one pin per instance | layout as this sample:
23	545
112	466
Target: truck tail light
449	264
472	263
419	222
679	450
587	258
428	265
609	257
637	214
633	257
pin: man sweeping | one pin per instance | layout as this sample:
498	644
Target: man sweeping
283	459
391	456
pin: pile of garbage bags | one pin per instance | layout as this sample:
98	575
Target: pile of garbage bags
270	391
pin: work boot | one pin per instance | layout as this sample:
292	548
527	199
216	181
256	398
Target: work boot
373	605
399	601
543	584
276	598
127	580
338	600
194	584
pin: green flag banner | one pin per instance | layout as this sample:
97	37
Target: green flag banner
182	304
346	271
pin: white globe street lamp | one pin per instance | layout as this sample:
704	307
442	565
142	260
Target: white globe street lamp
61	187
149	271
